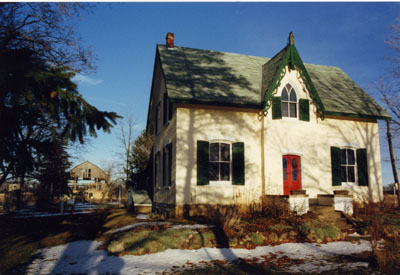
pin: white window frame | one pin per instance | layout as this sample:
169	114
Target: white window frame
222	182
349	183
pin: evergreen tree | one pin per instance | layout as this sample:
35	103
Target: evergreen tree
52	174
139	161
39	55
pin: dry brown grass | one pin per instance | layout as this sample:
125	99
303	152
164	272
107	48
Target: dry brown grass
382	222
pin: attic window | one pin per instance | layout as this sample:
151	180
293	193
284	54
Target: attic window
289	101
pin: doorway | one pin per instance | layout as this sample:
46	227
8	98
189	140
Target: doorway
291	173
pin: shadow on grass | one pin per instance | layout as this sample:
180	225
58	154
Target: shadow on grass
21	238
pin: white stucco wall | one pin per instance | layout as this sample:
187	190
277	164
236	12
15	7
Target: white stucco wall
312	142
199	123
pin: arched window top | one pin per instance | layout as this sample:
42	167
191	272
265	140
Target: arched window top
284	95
293	96
288	93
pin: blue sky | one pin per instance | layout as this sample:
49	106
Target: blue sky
124	37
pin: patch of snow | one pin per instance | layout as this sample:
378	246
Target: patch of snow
130	226
45	214
355	234
83	257
142	217
192	226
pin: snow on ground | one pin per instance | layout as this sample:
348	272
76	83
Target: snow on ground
35	214
193	226
142	216
78	208
130	226
177	226
82	257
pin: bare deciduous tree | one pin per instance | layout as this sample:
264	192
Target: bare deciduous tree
127	126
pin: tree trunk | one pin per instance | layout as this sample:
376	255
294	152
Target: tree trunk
393	160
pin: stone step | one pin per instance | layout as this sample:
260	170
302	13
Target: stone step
328	215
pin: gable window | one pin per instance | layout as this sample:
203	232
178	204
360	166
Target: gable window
87	174
289	101
288	105
220	162
349	166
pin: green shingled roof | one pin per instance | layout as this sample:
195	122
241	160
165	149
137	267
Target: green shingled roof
228	79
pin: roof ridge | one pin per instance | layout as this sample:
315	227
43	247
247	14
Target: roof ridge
215	51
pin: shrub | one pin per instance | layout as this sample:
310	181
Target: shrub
381	224
257	238
276	207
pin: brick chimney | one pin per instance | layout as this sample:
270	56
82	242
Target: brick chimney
170	40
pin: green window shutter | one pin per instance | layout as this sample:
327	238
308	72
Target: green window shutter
336	170
362	167
238	163
276	107
202	162
304	109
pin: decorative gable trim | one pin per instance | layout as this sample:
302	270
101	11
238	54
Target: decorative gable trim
293	61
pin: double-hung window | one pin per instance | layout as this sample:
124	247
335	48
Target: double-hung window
348	165
220	162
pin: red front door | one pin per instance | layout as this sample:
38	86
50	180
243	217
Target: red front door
291	173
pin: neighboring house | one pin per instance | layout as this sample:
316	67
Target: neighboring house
229	128
90	179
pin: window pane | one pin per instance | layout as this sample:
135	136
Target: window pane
350	156
225	152
214	151
293	111
285	109
224	170
284	162
343	157
293	96
344	176
214	171
350	174
294	169
284	95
